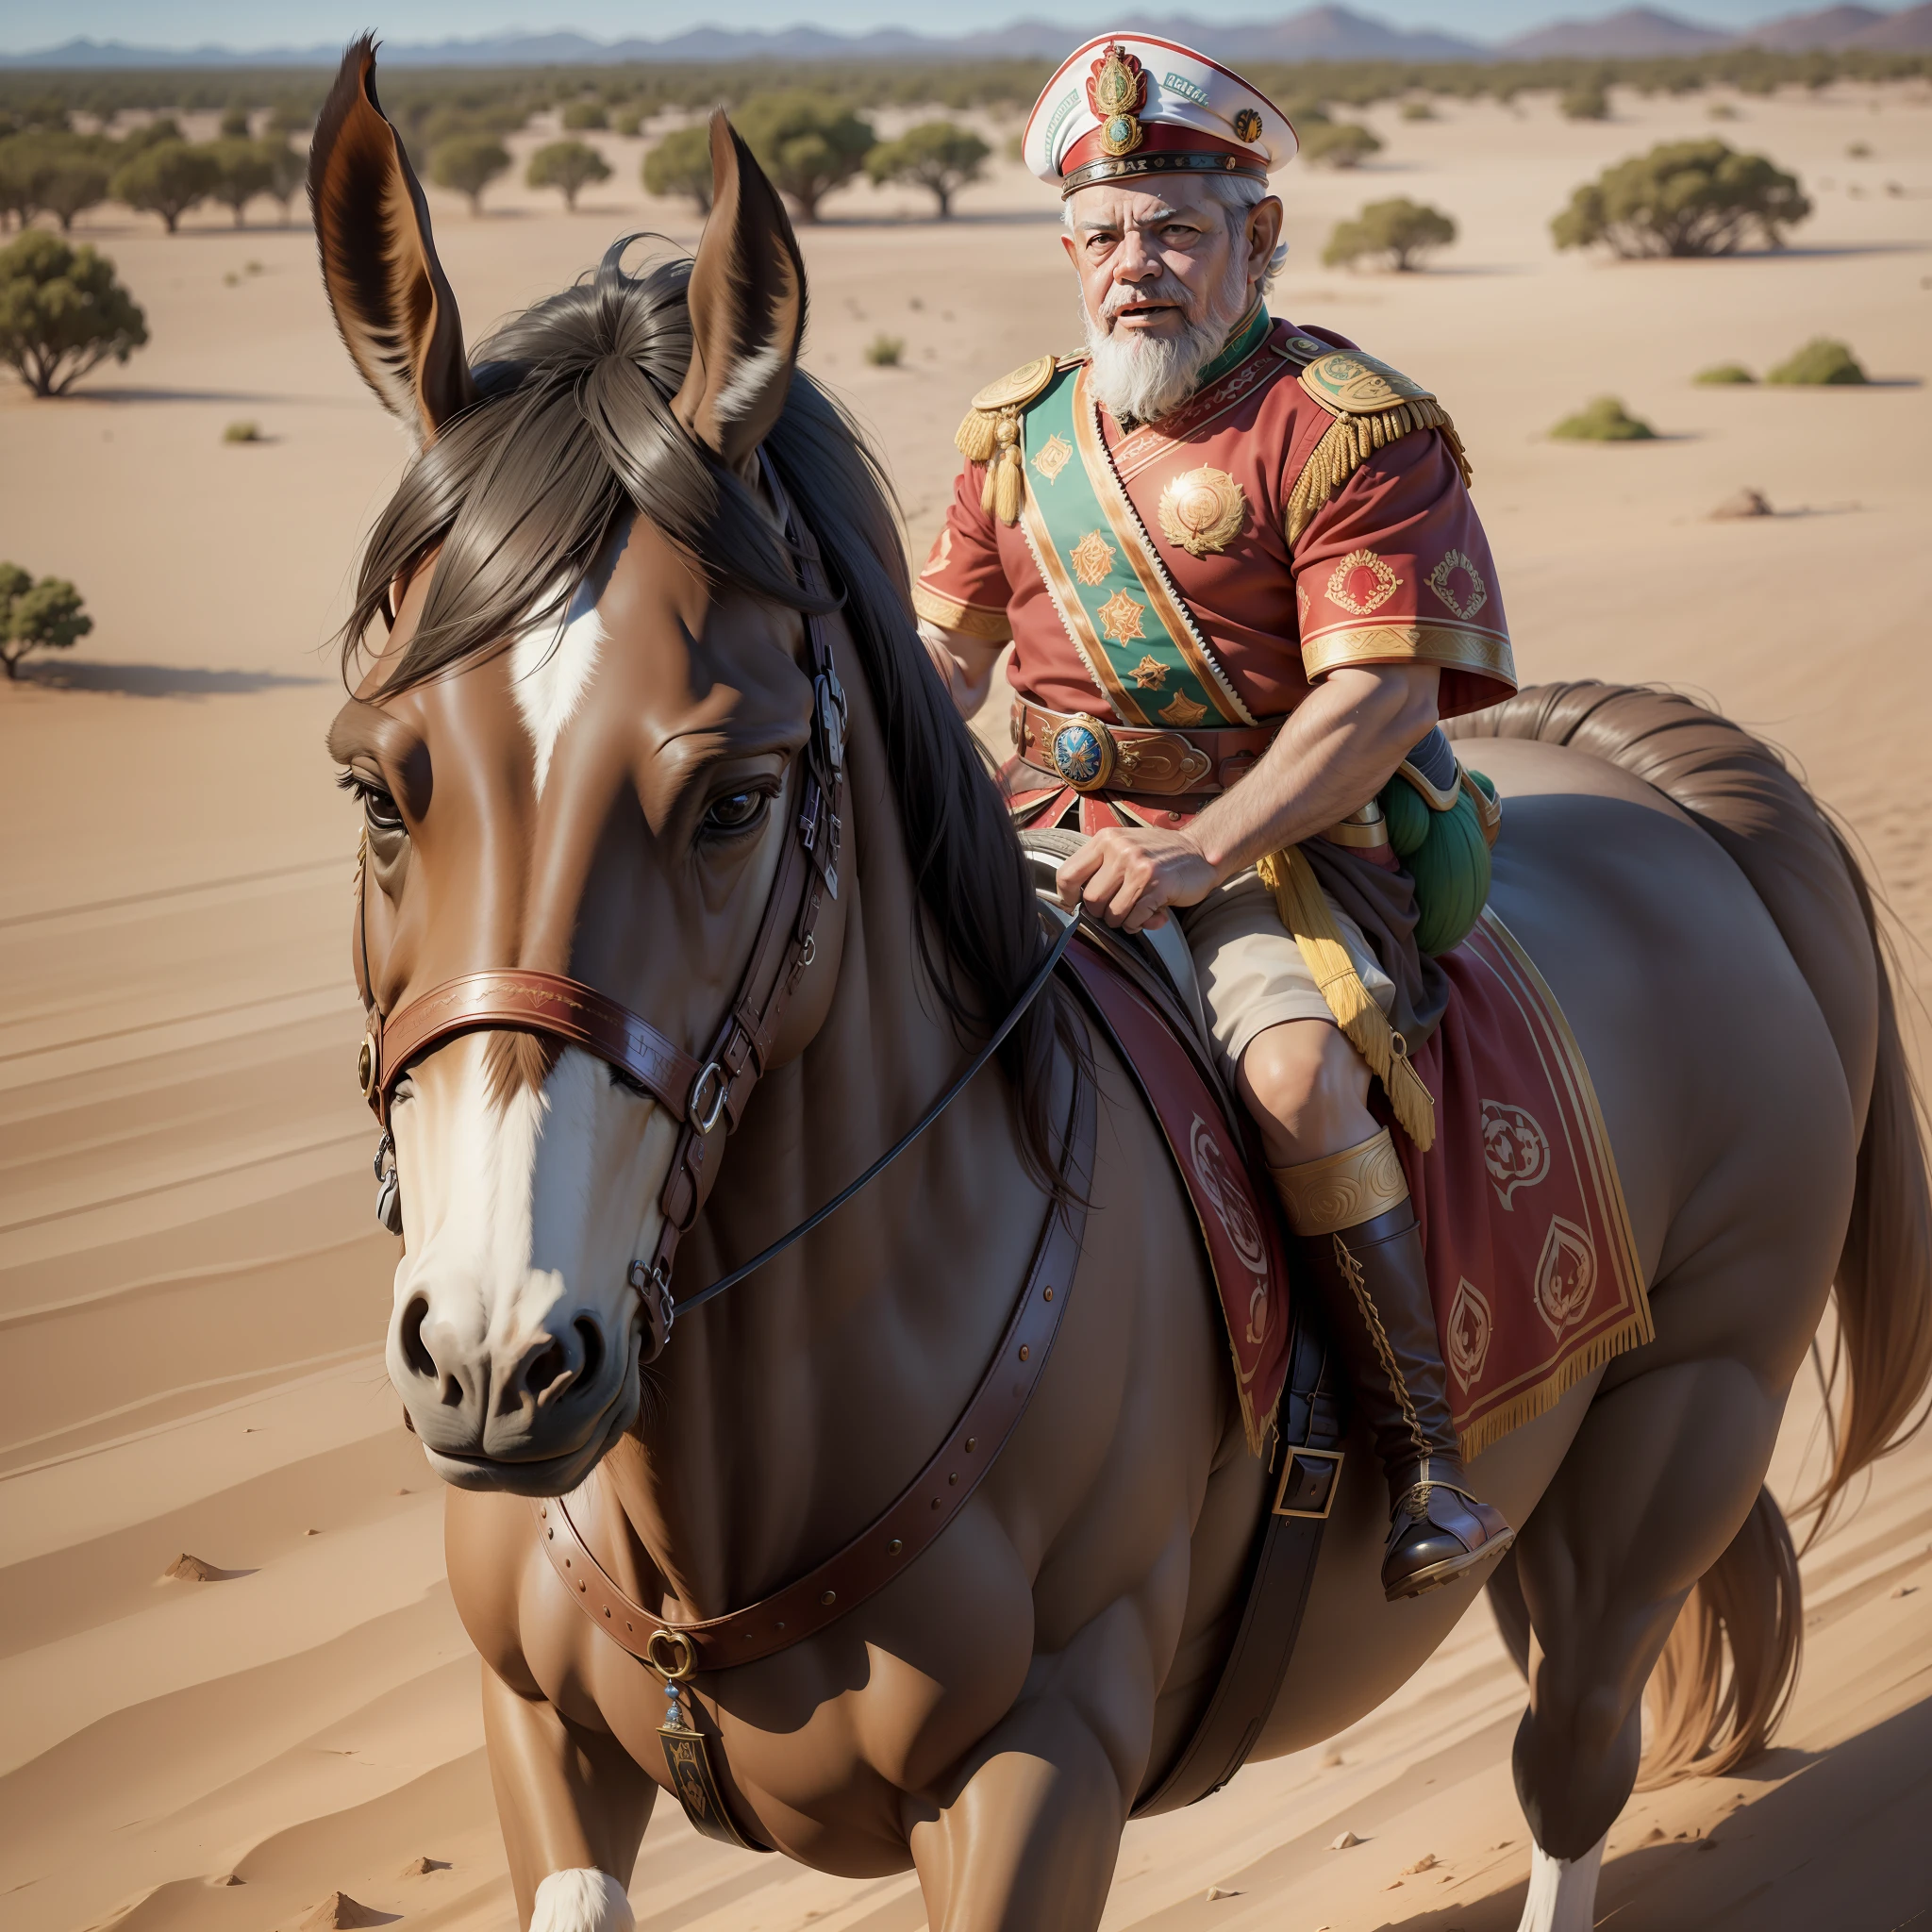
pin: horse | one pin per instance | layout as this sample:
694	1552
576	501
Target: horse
644	612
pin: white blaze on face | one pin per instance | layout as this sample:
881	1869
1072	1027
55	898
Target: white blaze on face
551	669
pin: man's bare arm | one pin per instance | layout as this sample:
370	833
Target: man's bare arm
1338	749
965	664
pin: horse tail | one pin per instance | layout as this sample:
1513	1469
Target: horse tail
1802	866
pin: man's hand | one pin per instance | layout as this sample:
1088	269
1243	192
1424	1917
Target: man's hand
1129	876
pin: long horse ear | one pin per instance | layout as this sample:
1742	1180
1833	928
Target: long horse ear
747	307
392	304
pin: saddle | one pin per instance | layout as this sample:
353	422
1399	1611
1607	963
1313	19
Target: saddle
1142	990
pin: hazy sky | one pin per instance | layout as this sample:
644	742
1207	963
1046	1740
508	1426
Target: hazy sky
29	23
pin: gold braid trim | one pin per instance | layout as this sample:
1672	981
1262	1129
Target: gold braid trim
1304	912
1378	1336
1349	442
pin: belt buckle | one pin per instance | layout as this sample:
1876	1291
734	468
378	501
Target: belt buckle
1084	752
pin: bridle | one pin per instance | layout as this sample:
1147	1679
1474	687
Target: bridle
703	1096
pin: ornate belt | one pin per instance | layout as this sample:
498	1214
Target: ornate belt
1092	755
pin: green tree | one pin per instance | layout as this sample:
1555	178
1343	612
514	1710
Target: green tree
166	178
62	312
151	133
234	124
60	175
939	156
1590	102
680	167
569	166
45	616
469	163
580	115
1338	144
807	145
243	169
1401	229
1683	198
286	171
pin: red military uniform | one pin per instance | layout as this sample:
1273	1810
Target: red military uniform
1386	564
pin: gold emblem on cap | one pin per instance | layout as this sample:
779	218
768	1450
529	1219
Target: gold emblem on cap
1117	93
1247	126
1203	511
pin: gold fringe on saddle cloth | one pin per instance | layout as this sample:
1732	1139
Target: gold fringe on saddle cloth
1306	914
1350	441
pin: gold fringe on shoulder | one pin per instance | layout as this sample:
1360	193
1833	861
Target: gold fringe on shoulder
1349	442
993	438
1306	914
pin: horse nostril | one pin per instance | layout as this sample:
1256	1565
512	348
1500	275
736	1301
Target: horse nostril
414	1352
546	1370
592	1336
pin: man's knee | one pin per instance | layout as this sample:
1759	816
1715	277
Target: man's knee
1308	1089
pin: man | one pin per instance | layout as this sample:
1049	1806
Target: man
1243	579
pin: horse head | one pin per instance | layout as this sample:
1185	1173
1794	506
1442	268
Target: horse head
579	753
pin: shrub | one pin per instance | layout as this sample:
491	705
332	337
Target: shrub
631	121
939	156
242	432
569	166
62	312
884	352
243	169
1418	110
166	178
1721	373
235	125
1722	110
1858	151
579	115
1401	229
1605	421
469	163
1821	362
807	145
1338	144
61	174
1591	102
45	616
679	167
1683	198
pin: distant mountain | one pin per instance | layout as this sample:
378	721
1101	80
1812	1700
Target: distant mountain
1639	33
1316	33
1803	33
1909	32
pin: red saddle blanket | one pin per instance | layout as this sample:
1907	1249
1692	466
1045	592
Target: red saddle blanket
1532	1265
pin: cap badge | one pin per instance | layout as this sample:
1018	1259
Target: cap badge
1247	126
1117	91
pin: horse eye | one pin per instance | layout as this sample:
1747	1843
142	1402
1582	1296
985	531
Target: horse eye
381	809
737	811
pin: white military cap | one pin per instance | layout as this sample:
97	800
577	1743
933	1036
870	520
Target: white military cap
1129	104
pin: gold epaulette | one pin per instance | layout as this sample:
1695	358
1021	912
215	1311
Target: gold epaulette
989	434
1373	406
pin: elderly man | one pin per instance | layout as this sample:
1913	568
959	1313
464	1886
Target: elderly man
1243	579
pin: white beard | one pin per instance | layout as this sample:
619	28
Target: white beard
1140	377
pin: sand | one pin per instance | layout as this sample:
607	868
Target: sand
192	1292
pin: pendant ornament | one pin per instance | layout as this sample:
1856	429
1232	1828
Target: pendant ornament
1117	91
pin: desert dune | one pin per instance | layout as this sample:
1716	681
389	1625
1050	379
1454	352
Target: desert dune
192	1290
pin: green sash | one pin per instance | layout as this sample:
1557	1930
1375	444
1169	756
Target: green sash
1113	594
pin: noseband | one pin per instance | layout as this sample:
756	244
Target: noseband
702	1096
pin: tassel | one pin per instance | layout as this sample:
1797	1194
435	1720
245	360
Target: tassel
1011	485
1304	912
976	435
1349	442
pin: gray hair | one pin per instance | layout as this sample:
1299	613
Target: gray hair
1236	194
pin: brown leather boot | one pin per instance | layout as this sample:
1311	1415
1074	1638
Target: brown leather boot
1356	1230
